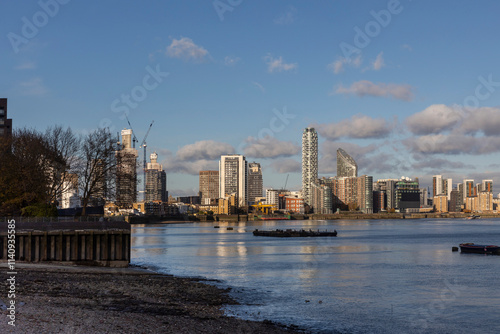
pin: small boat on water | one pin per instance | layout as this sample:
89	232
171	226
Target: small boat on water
481	249
474	217
294	233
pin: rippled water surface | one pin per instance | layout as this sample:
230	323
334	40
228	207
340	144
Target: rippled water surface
377	276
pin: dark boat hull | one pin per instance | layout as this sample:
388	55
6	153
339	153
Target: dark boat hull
294	233
479	249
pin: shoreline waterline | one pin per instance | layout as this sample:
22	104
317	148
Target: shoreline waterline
81	299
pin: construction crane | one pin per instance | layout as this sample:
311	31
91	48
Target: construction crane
284	188
134	138
144	145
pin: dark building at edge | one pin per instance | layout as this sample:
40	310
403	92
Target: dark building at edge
5	123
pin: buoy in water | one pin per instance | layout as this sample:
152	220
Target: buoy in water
454	249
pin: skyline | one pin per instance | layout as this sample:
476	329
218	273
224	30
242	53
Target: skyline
402	104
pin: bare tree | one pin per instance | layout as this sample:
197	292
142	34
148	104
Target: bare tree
63	146
96	166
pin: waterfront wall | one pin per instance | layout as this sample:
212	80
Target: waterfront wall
94	243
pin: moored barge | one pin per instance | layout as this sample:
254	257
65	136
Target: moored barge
480	249
294	233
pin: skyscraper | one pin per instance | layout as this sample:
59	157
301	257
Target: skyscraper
233	177
126	172
255	185
5	123
346	166
209	186
309	162
156	181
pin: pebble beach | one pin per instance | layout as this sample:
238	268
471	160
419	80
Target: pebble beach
78	299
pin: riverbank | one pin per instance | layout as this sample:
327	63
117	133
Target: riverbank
76	299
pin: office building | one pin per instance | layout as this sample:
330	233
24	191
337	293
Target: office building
255	185
126	172
309	162
346	166
233	178
156	181
209	186
5	123
455	204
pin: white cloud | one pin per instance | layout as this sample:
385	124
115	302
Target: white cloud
231	61
26	66
359	126
185	49
269	147
32	87
453	144
338	65
278	65
407	47
205	149
434	119
368	88
379	62
283	166
288	17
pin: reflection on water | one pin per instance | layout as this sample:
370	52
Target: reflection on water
392	276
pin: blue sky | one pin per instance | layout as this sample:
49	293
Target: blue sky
408	88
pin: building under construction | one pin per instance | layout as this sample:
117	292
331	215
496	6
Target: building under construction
126	172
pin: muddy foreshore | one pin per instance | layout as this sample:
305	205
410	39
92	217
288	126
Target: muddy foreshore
75	299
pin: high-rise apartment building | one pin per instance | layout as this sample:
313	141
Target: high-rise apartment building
437	185
447	187
321	197
126	172
487	185
468	189
156	181
309	162
346	166
209	186
255	184
233	177
5	123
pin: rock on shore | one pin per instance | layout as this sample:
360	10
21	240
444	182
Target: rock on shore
51	299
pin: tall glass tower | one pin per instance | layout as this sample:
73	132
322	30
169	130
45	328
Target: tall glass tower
346	166
309	162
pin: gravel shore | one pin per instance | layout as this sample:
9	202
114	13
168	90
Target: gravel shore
74	299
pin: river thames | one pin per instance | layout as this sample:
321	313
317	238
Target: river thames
377	276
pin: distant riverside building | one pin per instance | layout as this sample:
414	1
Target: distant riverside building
468	189
485	201
346	166
272	197
487	185
440	203
69	196
437	185
294	204
209	186
5	123
402	194
233	178
126	175
447	187
455	204
156	181
255	184
321	199
309	162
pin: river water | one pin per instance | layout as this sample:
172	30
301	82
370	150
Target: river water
377	276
